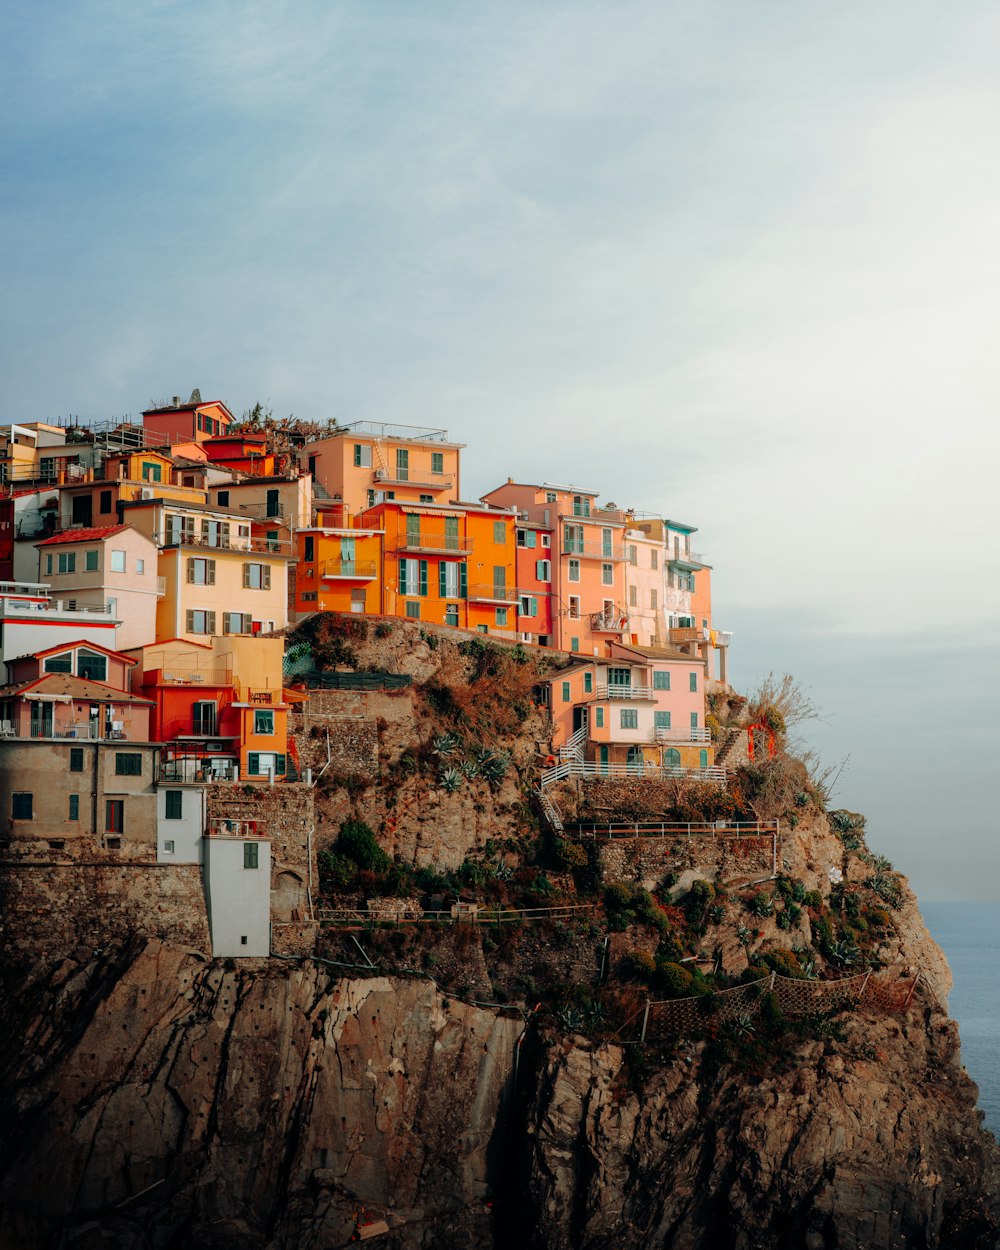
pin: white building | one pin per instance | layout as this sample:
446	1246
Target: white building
238	888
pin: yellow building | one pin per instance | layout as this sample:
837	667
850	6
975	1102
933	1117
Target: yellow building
217	578
127	477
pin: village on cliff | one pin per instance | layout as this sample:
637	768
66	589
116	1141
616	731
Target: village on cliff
155	701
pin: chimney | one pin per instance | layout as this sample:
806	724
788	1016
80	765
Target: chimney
177	401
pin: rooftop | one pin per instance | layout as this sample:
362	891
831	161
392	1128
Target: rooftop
83	535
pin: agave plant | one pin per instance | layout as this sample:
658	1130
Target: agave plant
494	766
470	768
886	887
844	953
742	1025
570	1018
451	779
446	744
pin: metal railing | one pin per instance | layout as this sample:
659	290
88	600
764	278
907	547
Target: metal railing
18	606
492	591
604	691
349	568
682	735
222	542
196	677
593	551
677	829
224	827
449	543
378	429
265	511
655	772
465	914
191	768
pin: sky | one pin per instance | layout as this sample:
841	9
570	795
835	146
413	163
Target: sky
736	263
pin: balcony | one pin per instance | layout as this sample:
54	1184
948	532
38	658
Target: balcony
401	477
608	622
686	561
603	691
594	551
687	634
682	735
224	542
349	570
224	827
198	769
403	433
196	677
488	592
10	607
437	544
265	511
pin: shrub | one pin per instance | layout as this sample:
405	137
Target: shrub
336	871
450	779
383	629
784	962
638	966
674	980
762	904
357	842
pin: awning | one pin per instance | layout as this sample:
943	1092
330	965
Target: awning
50	698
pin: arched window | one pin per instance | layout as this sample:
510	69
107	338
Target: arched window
703	759
671	758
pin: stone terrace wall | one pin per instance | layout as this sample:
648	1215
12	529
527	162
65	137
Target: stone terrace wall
50	910
647	860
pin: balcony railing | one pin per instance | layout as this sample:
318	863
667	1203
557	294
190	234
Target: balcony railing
685	557
161	586
608	622
594	551
402	477
377	429
490	592
191	768
357	570
265	511
594	768
682	735
17	607
688	634
603	691
222	542
447	544
224	827
197	677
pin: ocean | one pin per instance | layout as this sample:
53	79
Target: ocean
969	935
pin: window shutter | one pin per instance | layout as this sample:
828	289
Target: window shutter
423	577
442	579
266	576
246	575
253	763
279	765
463	580
190	569
209	622
247	623
209	572
190	621
226	619
403	566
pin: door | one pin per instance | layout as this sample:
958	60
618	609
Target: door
347	551
273	503
41	719
671	758
619	679
603	759
635	760
579	718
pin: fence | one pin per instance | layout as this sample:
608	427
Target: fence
352	681
496	916
795	998
594	768
666	829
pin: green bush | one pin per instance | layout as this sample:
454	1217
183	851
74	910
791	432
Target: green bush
674	980
357	842
336	872
638	965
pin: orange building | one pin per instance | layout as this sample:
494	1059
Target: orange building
369	463
339	568
452	565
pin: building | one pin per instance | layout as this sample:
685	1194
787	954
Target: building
585	569
368	463
238	887
339	568
113	568
126	477
218	578
31	621
645	601
194	421
453	565
533	570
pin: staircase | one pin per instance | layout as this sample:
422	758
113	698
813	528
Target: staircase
550	811
293	764
729	747
572	748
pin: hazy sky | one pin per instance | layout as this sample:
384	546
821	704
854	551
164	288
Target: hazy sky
738	262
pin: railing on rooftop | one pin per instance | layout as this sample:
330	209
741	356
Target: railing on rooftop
175	676
379	429
61	607
197	768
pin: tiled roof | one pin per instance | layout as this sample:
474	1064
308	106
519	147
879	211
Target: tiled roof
83	535
74	688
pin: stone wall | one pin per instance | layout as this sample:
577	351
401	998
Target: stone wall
49	910
647	860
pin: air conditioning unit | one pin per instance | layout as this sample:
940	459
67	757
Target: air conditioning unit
380	475
147	493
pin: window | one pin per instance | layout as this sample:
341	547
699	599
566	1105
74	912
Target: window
501	616
250	856
581	505
128	764
543	570
263	722
413	577
629	718
574	644
48	565
451	614
257	576
588	683
546	540
74	807
118	562
21	805
574	607
672	758
652	598
223	499
58	663
599	717
240	622
529	605
114	816
308	596
566	692
90	559
661	720
451	541
203	717
527	538
607	574
174	804
654	558
362	456
402	465
632	553
67	562
140	567
500	532
574	571
91	666
105	501
309	549
152	472
693	682
573	538
426	498
633	597
168	846
448	579
76	759
661	679
437	461
273	505
694	720
550	496
200	622
200	571
413	610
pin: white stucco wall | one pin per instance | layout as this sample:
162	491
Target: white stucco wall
185	833
239	899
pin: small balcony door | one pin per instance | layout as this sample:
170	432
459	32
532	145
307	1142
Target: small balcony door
579	718
41	719
347	556
619	679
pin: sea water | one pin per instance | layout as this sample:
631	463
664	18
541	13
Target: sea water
969	935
